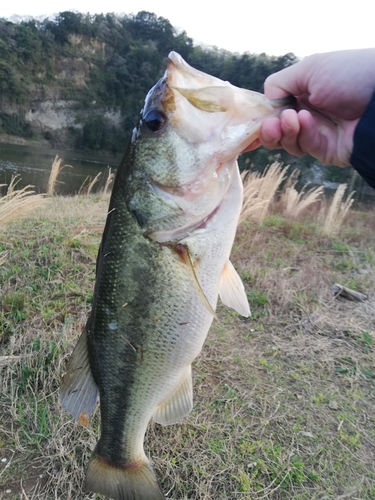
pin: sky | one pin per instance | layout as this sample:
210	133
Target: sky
271	26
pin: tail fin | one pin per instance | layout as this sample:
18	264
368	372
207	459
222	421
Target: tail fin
135	481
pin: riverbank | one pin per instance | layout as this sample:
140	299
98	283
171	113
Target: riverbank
284	402
21	141
45	144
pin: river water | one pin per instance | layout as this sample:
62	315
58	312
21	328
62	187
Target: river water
33	165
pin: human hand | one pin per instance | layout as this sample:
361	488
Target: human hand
332	90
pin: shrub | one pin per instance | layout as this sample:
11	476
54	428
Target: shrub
15	124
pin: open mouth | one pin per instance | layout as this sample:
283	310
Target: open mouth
193	215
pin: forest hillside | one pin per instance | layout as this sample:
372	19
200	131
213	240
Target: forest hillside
78	81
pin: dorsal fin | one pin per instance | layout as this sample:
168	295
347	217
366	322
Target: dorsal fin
232	292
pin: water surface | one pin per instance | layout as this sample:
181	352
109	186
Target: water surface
33	165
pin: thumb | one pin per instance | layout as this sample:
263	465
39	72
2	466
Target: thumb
289	81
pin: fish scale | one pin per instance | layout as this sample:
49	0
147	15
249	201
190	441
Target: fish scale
162	263
149	265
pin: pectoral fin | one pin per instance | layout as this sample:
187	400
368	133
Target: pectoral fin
184	254
79	392
232	292
178	405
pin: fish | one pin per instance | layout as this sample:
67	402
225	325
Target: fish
163	261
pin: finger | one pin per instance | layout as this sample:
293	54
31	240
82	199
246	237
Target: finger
289	81
290	128
270	133
329	142
316	133
273	88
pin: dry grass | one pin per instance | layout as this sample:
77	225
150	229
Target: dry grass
3	257
56	168
109	181
259	191
337	211
18	202
284	401
93	182
294	202
89	183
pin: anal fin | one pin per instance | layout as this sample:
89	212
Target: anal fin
178	405
232	292
79	392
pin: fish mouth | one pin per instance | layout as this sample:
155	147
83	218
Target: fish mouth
197	200
195	215
192	102
176	235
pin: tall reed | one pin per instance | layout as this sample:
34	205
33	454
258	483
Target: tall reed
55	171
93	182
18	202
259	191
294	202
109	181
333	218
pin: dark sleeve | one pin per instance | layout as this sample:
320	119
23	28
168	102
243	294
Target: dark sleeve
363	155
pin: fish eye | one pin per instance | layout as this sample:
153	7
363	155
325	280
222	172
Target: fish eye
154	120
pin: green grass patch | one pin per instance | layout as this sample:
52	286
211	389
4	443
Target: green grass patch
283	401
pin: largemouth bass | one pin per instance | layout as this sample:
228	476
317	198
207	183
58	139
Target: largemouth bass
163	262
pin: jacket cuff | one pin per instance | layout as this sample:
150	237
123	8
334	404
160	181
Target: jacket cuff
363	154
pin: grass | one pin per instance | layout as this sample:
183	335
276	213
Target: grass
18	202
56	168
259	191
89	183
294	202
284	402
336	212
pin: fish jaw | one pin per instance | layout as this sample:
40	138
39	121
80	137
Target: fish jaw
192	127
197	205
237	112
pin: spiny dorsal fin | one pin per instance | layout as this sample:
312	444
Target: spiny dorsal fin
178	405
232	292
79	392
